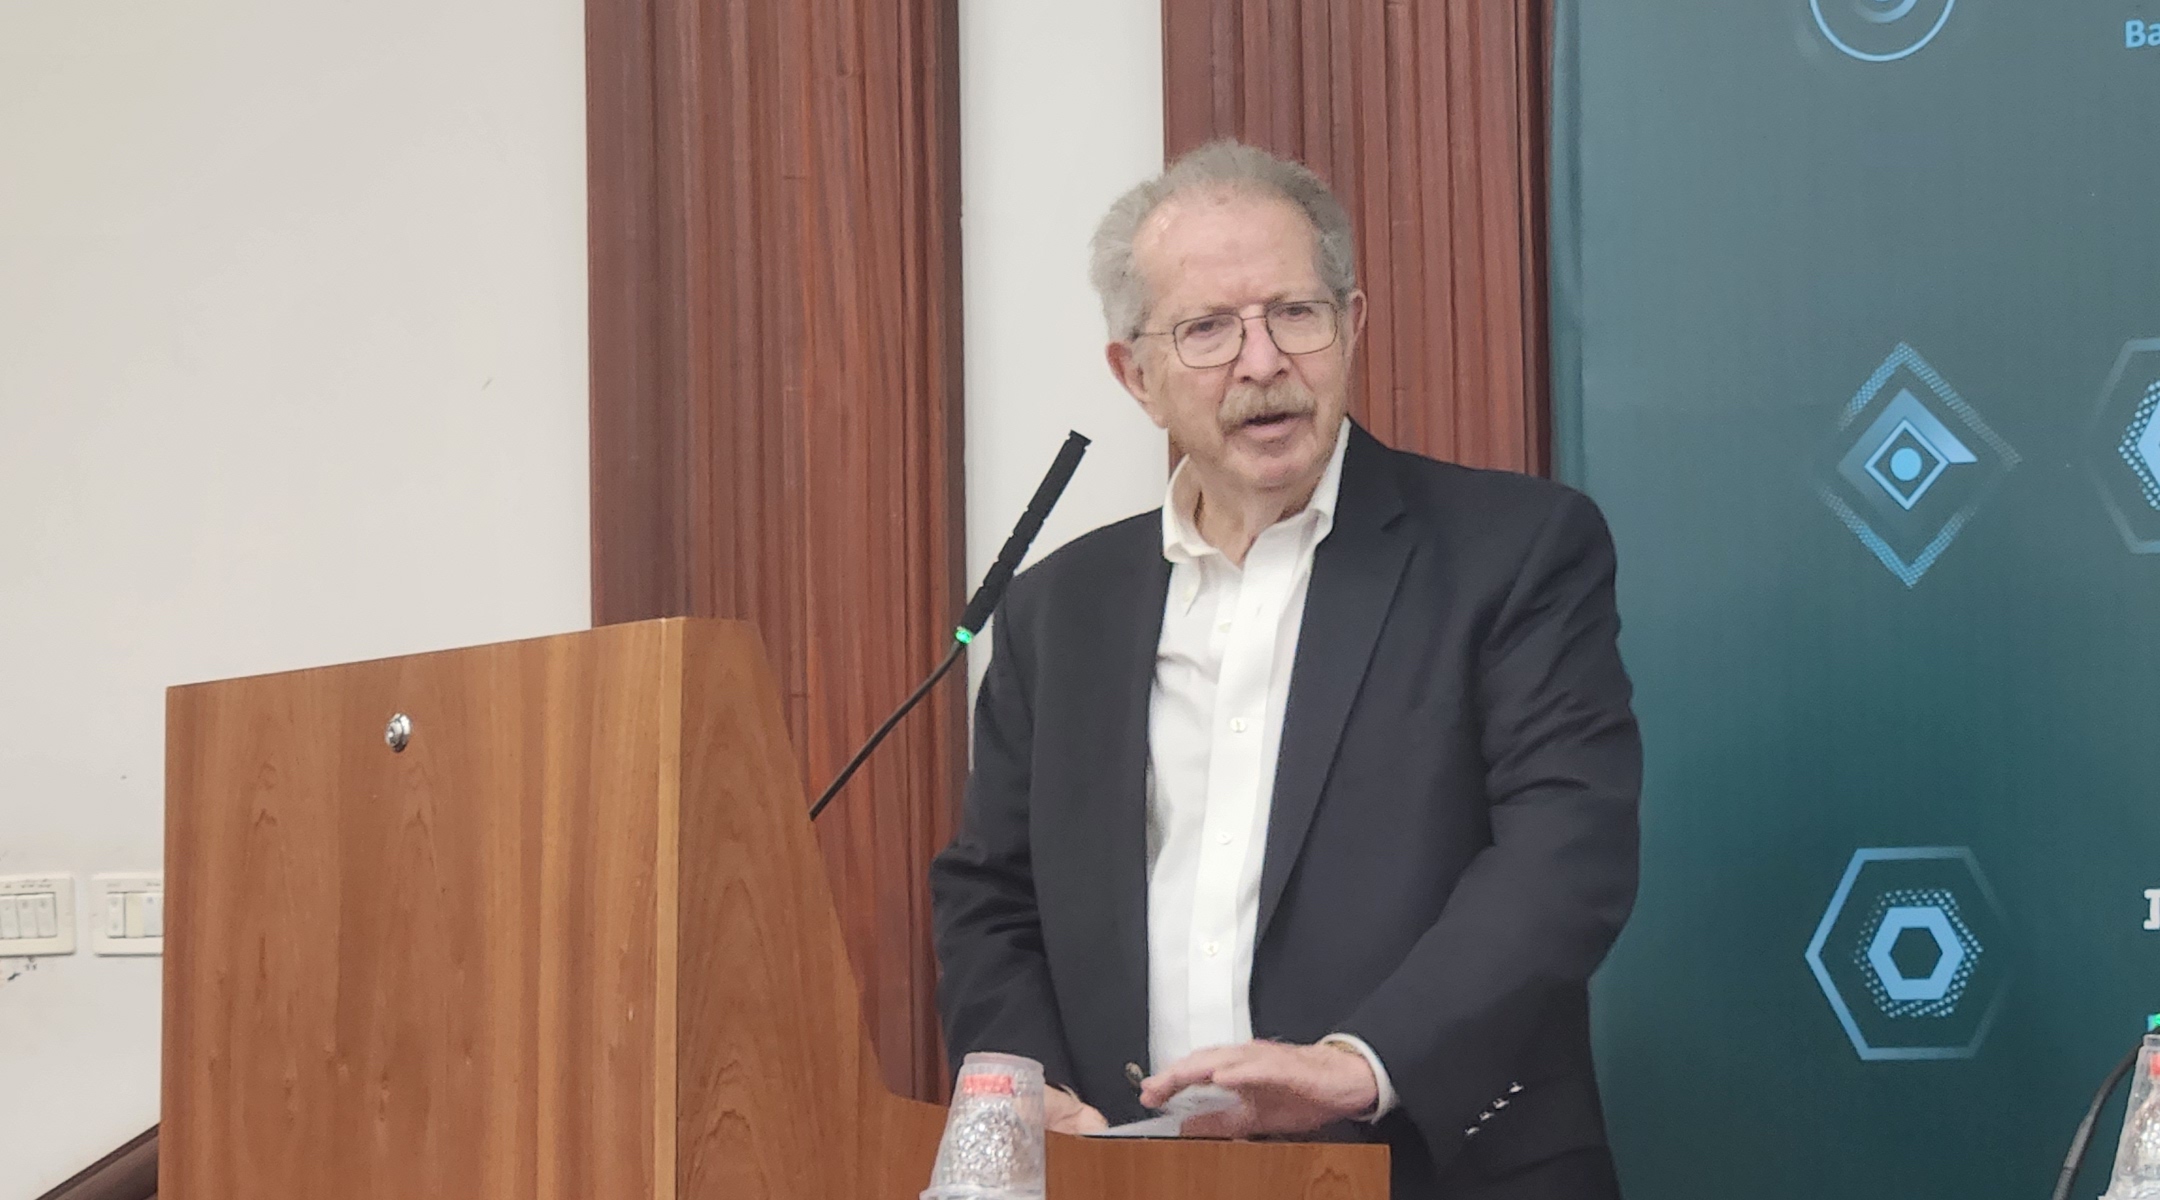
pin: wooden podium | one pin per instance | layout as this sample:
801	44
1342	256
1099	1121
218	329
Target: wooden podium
573	942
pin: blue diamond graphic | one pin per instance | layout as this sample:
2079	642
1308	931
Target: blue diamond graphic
2141	445
1907	464
1912	464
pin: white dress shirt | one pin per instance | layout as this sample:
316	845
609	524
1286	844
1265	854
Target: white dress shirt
1215	717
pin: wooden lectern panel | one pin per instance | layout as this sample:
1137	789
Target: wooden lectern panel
575	942
421	974
776	1063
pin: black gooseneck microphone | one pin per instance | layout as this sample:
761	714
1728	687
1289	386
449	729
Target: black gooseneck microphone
980	606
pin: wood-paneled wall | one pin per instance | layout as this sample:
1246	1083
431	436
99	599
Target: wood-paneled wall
776	417
1430	120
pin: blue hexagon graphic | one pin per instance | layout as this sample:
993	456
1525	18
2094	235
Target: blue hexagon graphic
2122	445
1949	952
1904	1011
1934	911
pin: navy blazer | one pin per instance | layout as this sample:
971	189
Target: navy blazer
1451	848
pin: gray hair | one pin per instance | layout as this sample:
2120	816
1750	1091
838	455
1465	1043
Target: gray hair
1220	166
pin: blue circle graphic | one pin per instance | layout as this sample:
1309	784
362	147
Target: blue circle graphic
1905	464
1883	13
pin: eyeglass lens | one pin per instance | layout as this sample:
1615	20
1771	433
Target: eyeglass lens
1298	327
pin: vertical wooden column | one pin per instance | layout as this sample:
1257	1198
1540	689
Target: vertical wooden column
776	415
1430	120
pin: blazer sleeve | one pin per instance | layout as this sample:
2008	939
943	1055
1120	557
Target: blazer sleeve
1537	909
994	990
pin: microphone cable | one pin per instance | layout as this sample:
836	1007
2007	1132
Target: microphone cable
2081	1142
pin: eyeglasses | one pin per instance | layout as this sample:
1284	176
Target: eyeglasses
1216	339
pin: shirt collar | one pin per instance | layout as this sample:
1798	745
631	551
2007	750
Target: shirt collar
1181	534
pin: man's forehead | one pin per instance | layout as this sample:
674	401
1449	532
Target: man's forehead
1215	222
1226	241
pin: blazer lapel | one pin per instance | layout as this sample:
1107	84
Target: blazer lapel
1355	573
1121	633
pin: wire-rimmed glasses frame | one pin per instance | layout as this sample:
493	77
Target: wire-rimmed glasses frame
1216	339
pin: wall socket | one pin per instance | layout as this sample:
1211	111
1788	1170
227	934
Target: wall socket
127	913
37	915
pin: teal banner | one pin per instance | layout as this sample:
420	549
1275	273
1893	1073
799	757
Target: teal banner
1857	342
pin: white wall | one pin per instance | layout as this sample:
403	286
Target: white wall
292	371
1060	111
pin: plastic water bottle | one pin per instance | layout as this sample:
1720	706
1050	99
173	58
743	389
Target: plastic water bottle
993	1143
2137	1156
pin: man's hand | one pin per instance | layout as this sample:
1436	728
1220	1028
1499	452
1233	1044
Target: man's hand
1286	1089
1063	1112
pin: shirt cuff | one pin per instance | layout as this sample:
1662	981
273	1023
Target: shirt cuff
1385	1089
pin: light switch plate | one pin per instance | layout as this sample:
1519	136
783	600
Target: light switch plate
127	912
37	915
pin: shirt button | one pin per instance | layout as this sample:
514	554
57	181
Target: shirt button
1224	627
1212	949
1237	724
1224	839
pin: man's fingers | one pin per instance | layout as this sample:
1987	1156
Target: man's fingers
1064	1112
1249	1065
1284	1088
1081	1120
1236	1123
1085	1121
1195	1068
1258	1071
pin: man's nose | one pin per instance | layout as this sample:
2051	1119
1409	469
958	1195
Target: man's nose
1260	360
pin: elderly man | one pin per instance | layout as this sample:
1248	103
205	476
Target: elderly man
1319	784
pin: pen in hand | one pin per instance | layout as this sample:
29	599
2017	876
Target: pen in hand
1137	1078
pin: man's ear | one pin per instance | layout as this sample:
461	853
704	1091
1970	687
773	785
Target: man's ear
1125	363
1354	319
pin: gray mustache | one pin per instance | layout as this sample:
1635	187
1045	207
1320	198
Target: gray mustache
1246	404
